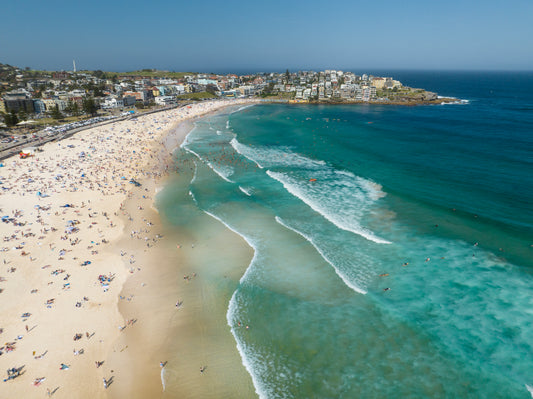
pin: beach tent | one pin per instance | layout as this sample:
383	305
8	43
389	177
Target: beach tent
29	150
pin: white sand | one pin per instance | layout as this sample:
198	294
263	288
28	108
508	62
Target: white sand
90	173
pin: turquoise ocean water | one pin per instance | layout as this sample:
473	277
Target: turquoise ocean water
393	245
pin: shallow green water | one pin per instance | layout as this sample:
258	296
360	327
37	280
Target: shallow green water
384	276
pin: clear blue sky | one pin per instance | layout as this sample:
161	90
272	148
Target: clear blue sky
237	35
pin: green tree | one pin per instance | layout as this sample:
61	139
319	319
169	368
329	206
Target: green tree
99	74
267	91
211	88
89	106
22	116
99	90
56	113
75	109
11	119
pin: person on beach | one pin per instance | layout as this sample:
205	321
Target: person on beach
66	177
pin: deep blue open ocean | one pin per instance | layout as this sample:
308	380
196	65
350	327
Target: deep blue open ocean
393	244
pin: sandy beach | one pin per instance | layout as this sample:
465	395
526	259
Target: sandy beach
87	287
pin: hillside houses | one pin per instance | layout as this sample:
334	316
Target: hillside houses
40	92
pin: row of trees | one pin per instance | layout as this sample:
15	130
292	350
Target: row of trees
88	107
11	119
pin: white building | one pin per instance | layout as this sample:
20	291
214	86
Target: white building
165	100
112	102
77	93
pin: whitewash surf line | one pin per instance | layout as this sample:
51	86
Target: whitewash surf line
358	230
310	240
260	389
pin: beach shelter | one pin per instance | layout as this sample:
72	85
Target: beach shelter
27	152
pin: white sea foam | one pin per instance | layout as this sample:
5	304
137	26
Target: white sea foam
241	149
458	102
193	197
242	108
275	157
192	152
260	390
163	378
530	389
342	202
248	240
323	255
223	171
195	172
268	369
187	138
373	190
246	191
219	132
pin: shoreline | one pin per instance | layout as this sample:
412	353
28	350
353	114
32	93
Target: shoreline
62	230
156	295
